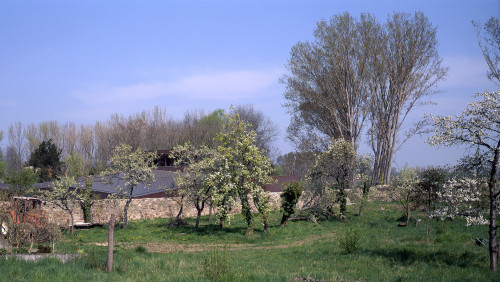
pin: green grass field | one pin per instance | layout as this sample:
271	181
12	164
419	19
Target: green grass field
301	251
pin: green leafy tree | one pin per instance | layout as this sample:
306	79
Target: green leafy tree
64	194
127	169
47	159
21	182
75	166
479	127
243	170
3	171
289	198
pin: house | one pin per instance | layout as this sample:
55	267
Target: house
278	182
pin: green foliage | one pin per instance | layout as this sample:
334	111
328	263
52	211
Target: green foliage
141	250
75	166
289	198
21	182
431	180
46	158
349	240
330	177
3	170
87	199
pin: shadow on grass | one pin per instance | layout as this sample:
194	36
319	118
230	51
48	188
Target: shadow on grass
409	257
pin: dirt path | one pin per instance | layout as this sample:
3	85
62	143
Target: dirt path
171	247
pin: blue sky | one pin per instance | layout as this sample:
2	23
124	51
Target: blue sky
81	61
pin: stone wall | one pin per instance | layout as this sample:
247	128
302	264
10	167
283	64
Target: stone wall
146	208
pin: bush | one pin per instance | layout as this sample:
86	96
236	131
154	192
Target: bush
350	240
289	198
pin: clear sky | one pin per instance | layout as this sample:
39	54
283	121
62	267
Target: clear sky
81	61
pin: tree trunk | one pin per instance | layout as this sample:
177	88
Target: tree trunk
111	243
284	218
245	210
125	209
199	210
72	223
364	200
210	212
493	244
343	200
179	214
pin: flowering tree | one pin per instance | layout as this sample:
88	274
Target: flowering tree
478	126
63	193
405	187
127	169
331	175
462	197
243	169
193	182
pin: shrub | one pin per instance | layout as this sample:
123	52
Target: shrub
289	198
141	250
48	234
349	240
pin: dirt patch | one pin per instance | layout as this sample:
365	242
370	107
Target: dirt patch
171	247
167	247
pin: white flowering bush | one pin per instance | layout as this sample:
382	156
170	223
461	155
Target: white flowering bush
463	197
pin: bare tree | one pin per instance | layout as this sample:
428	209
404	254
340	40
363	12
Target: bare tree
490	46
266	130
404	68
326	91
15	152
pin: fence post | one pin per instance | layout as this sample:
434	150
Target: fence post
111	243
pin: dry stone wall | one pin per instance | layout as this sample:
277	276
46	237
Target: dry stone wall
146	208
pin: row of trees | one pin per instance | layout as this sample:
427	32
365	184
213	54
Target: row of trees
149	130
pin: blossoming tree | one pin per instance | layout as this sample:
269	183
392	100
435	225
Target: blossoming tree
478	126
63	193
462	197
127	169
243	170
194	181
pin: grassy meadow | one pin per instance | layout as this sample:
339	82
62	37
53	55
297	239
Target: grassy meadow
301	251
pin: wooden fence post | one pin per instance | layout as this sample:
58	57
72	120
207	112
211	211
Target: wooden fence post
111	243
